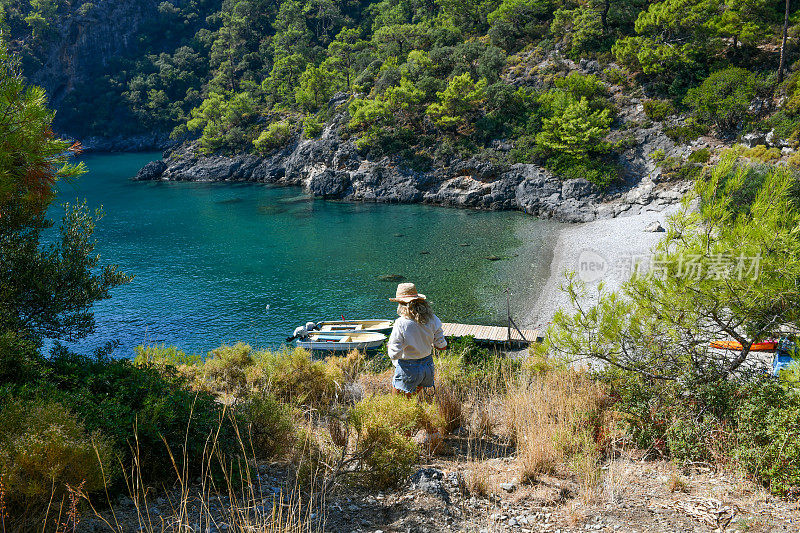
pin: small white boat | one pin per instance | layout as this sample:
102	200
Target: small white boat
341	341
380	326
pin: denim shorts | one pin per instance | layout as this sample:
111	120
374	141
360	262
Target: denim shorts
412	373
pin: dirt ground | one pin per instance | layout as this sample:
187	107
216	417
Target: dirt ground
459	493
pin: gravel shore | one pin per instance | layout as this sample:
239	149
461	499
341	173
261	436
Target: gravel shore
602	250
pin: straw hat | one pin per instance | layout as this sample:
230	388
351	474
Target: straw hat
407	292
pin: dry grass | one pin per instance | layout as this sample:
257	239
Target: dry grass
349	365
478	480
372	384
449	407
677	483
222	495
556	419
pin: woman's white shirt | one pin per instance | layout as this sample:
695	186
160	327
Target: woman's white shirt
411	340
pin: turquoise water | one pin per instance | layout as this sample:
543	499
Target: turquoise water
220	263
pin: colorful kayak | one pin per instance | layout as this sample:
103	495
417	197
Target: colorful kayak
765	346
341	341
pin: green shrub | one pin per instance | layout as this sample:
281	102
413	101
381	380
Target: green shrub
658	110
44	449
276	135
312	127
294	377
696	439
658	155
794	160
597	172
762	154
574	127
702	155
769	435
385	425
615	76
687	132
468	350
161	355
391	457
724	97
396	412
225	369
785	125
269	425
580	86
140	406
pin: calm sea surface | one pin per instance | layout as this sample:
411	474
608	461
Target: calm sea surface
220	263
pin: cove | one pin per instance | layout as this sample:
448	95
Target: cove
220	263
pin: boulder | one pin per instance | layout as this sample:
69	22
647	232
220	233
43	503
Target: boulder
151	171
754	139
654	227
579	189
329	184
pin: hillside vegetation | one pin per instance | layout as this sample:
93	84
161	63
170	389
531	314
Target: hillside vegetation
430	80
229	436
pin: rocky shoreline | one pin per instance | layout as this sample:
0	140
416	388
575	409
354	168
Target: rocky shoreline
330	167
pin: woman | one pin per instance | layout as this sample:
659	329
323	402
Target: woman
413	337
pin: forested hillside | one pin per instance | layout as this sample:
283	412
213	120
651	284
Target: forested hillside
426	80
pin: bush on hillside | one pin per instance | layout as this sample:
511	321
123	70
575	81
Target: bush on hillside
268	426
769	434
236	373
141	407
701	155
225	370
658	110
724	97
384	425
295	378
276	135
44	449
312	126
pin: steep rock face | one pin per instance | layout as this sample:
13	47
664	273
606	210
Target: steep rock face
85	44
87	41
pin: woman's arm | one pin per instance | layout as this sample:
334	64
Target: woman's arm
395	344
439	342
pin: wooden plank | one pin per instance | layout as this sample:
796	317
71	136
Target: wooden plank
488	333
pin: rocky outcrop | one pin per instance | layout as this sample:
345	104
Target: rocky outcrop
331	167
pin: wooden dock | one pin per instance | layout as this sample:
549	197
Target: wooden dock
490	333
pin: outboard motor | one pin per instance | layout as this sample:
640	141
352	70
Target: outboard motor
310	326
301	332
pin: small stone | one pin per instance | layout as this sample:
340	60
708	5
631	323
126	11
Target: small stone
512	522
654	227
508	487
